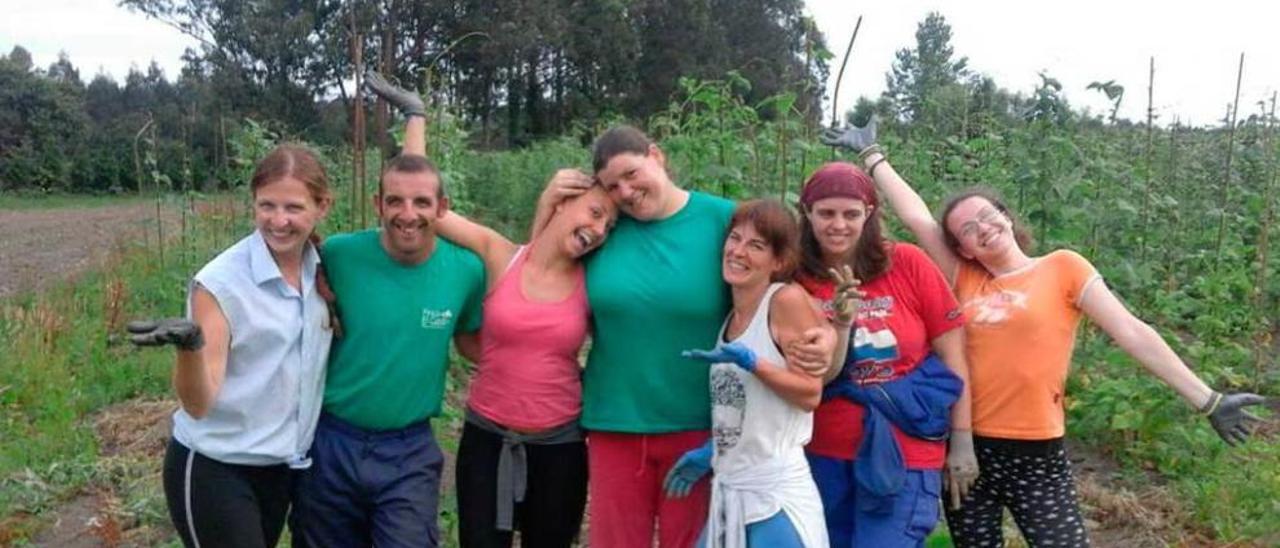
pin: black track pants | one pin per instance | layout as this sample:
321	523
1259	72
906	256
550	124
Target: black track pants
214	504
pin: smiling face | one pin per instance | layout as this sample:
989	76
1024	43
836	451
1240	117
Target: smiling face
407	206
749	260
637	182
286	213
837	224
980	229
582	224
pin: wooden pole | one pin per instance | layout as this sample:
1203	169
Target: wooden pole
1146	197
835	97
1260	289
1226	176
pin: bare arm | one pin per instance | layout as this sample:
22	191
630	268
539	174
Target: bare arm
841	352
198	375
1141	341
415	136
950	347
912	211
492	247
791	313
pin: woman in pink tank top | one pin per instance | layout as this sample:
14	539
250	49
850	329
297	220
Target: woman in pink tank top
522	461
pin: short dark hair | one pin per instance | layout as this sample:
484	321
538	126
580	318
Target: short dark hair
618	140
775	223
412	164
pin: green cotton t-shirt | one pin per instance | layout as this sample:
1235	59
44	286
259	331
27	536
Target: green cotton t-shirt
655	289
387	370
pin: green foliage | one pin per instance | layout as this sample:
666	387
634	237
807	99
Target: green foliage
1077	181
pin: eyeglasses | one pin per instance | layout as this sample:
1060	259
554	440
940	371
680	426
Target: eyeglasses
987	216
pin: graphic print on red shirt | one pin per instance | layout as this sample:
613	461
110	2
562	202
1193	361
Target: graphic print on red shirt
903	310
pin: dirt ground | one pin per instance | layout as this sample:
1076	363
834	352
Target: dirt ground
41	247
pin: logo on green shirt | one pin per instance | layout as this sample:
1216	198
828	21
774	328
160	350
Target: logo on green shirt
436	319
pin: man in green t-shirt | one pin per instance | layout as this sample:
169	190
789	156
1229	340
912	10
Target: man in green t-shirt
402	294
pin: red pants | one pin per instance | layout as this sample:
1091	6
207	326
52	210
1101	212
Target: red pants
626	497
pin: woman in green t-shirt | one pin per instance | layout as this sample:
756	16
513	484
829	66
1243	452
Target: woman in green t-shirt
655	290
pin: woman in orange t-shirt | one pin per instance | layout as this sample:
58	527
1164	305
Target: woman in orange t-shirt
1021	317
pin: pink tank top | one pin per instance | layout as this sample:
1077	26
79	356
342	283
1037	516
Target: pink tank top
528	377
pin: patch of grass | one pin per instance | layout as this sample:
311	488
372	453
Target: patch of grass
62	357
32	201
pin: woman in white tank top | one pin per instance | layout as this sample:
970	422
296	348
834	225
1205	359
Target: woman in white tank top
762	492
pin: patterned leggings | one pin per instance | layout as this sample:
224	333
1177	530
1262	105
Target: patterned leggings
1030	478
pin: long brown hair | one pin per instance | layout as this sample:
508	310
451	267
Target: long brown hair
1021	234
775	223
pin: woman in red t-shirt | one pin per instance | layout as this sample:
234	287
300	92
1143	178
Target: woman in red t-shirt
1021	314
905	311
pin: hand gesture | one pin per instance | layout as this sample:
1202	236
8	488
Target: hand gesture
734	352
962	466
854	139
847	296
687	471
1228	417
180	332
408	102
812	352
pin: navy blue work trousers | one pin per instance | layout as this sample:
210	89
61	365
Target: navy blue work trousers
368	488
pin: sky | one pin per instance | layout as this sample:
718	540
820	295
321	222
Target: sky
1196	46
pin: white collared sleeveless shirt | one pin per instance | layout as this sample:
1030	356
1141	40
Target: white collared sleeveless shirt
266	410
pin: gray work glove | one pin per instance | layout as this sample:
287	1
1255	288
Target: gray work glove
180	332
962	466
1227	415
408	102
858	140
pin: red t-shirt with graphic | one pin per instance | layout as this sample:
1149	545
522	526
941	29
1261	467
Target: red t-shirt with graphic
904	309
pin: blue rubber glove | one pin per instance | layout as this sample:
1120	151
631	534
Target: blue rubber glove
687	471
733	352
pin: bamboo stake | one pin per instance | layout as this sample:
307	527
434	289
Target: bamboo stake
137	159
1171	172
835	97
357	126
1260	291
1226	177
159	197
1146	197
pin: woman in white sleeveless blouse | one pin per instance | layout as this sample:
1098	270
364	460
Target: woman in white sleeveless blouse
762	492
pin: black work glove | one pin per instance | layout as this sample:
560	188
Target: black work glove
1227	415
408	102
858	140
180	332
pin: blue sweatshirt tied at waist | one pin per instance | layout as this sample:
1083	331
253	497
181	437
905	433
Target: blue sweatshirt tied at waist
919	404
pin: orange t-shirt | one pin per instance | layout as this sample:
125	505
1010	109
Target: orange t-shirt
1020	331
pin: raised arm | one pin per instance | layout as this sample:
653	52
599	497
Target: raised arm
1226	412
410	104
904	200
565	184
492	247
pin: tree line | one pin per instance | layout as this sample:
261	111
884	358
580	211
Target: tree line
515	70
